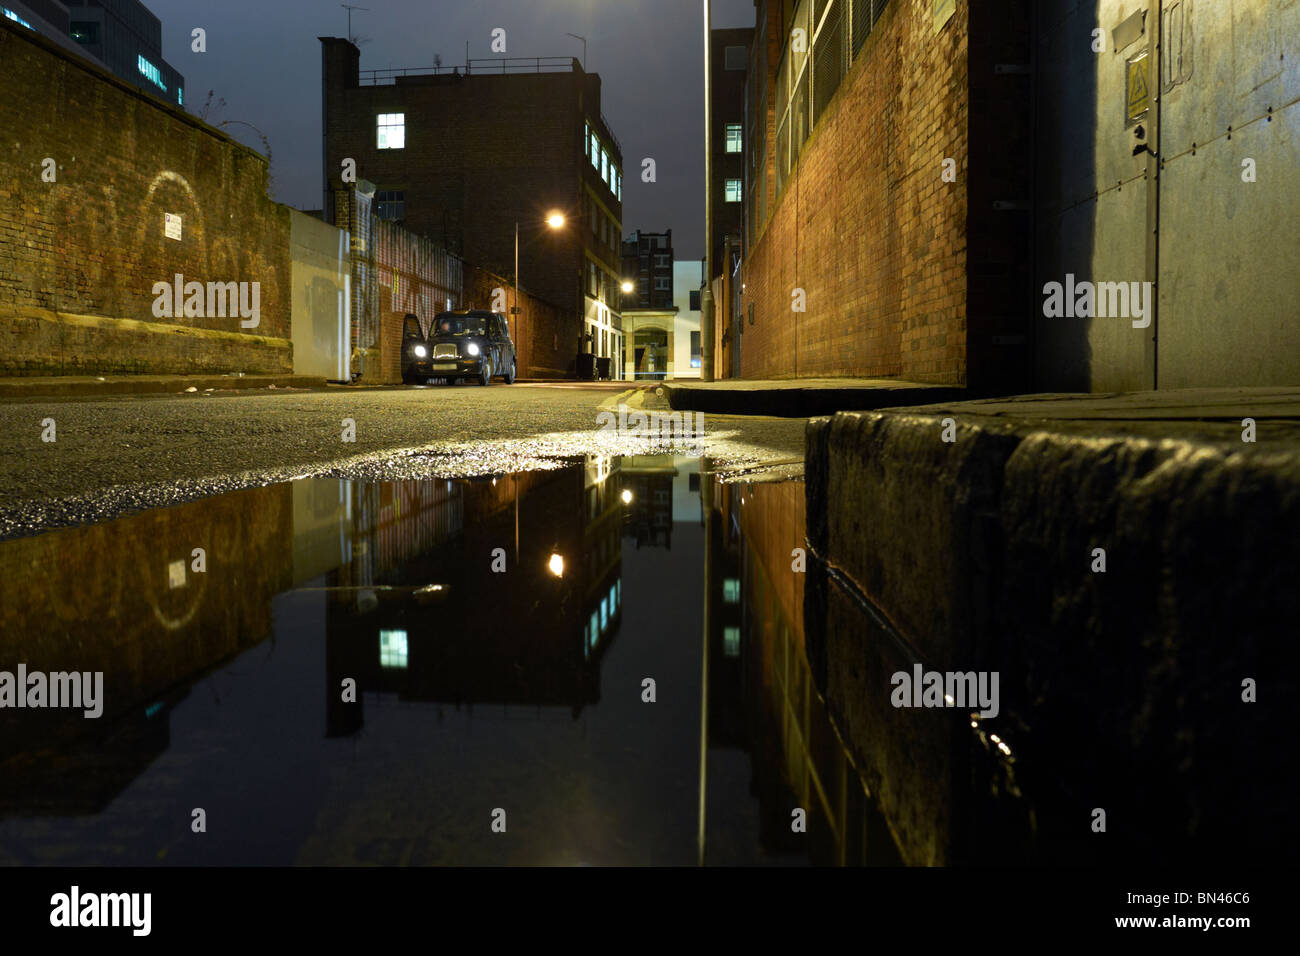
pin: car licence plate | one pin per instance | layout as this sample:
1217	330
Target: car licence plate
444	366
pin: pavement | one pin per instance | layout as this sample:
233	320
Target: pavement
91	386
800	398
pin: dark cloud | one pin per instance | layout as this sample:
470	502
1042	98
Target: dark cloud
263	58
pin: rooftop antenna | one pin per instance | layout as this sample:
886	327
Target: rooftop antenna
584	49
350	7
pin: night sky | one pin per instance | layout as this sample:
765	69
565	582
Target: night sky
263	58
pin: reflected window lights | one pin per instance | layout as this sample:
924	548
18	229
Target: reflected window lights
392	649
731	590
731	642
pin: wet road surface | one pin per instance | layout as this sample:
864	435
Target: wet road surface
112	457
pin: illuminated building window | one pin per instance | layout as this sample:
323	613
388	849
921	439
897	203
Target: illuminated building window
731	641
733	137
595	625
604	615
613	598
392	130
150	72
392	649
733	190
10	15
731	590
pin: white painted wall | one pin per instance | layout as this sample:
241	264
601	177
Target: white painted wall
686	278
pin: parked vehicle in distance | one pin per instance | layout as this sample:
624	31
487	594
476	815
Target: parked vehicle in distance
471	343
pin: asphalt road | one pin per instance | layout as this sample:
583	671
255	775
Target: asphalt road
114	456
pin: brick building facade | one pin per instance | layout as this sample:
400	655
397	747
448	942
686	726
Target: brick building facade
886	193
80	253
460	155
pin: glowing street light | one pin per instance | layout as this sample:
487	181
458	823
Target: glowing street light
627	286
557	565
627	496
556	221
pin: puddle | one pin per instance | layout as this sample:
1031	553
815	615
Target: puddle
499	634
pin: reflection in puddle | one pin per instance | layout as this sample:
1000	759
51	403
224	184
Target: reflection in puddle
343	672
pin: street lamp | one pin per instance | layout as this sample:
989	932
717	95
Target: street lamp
627	287
556	221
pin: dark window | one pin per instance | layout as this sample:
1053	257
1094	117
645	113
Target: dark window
84	32
695	303
390	204
735	58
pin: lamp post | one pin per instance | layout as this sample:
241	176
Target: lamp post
556	221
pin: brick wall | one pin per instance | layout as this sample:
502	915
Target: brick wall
865	224
79	256
543	332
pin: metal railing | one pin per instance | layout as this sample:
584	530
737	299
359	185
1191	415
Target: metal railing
495	65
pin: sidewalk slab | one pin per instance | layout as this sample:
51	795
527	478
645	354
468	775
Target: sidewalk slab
979	553
800	398
91	386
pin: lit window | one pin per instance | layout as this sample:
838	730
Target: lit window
150	72
733	190
604	165
180	96
733	137
10	15
586	140
731	642
392	649
604	615
392	130
595	151
731	586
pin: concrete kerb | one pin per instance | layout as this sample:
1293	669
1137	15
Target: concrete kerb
980	552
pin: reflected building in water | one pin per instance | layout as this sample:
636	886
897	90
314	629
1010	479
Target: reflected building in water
479	592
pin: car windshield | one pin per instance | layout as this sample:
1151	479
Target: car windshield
460	325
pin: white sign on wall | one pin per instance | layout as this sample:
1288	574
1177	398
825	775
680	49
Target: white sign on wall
172	225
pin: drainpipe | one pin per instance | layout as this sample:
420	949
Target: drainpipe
706	295
1155	77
